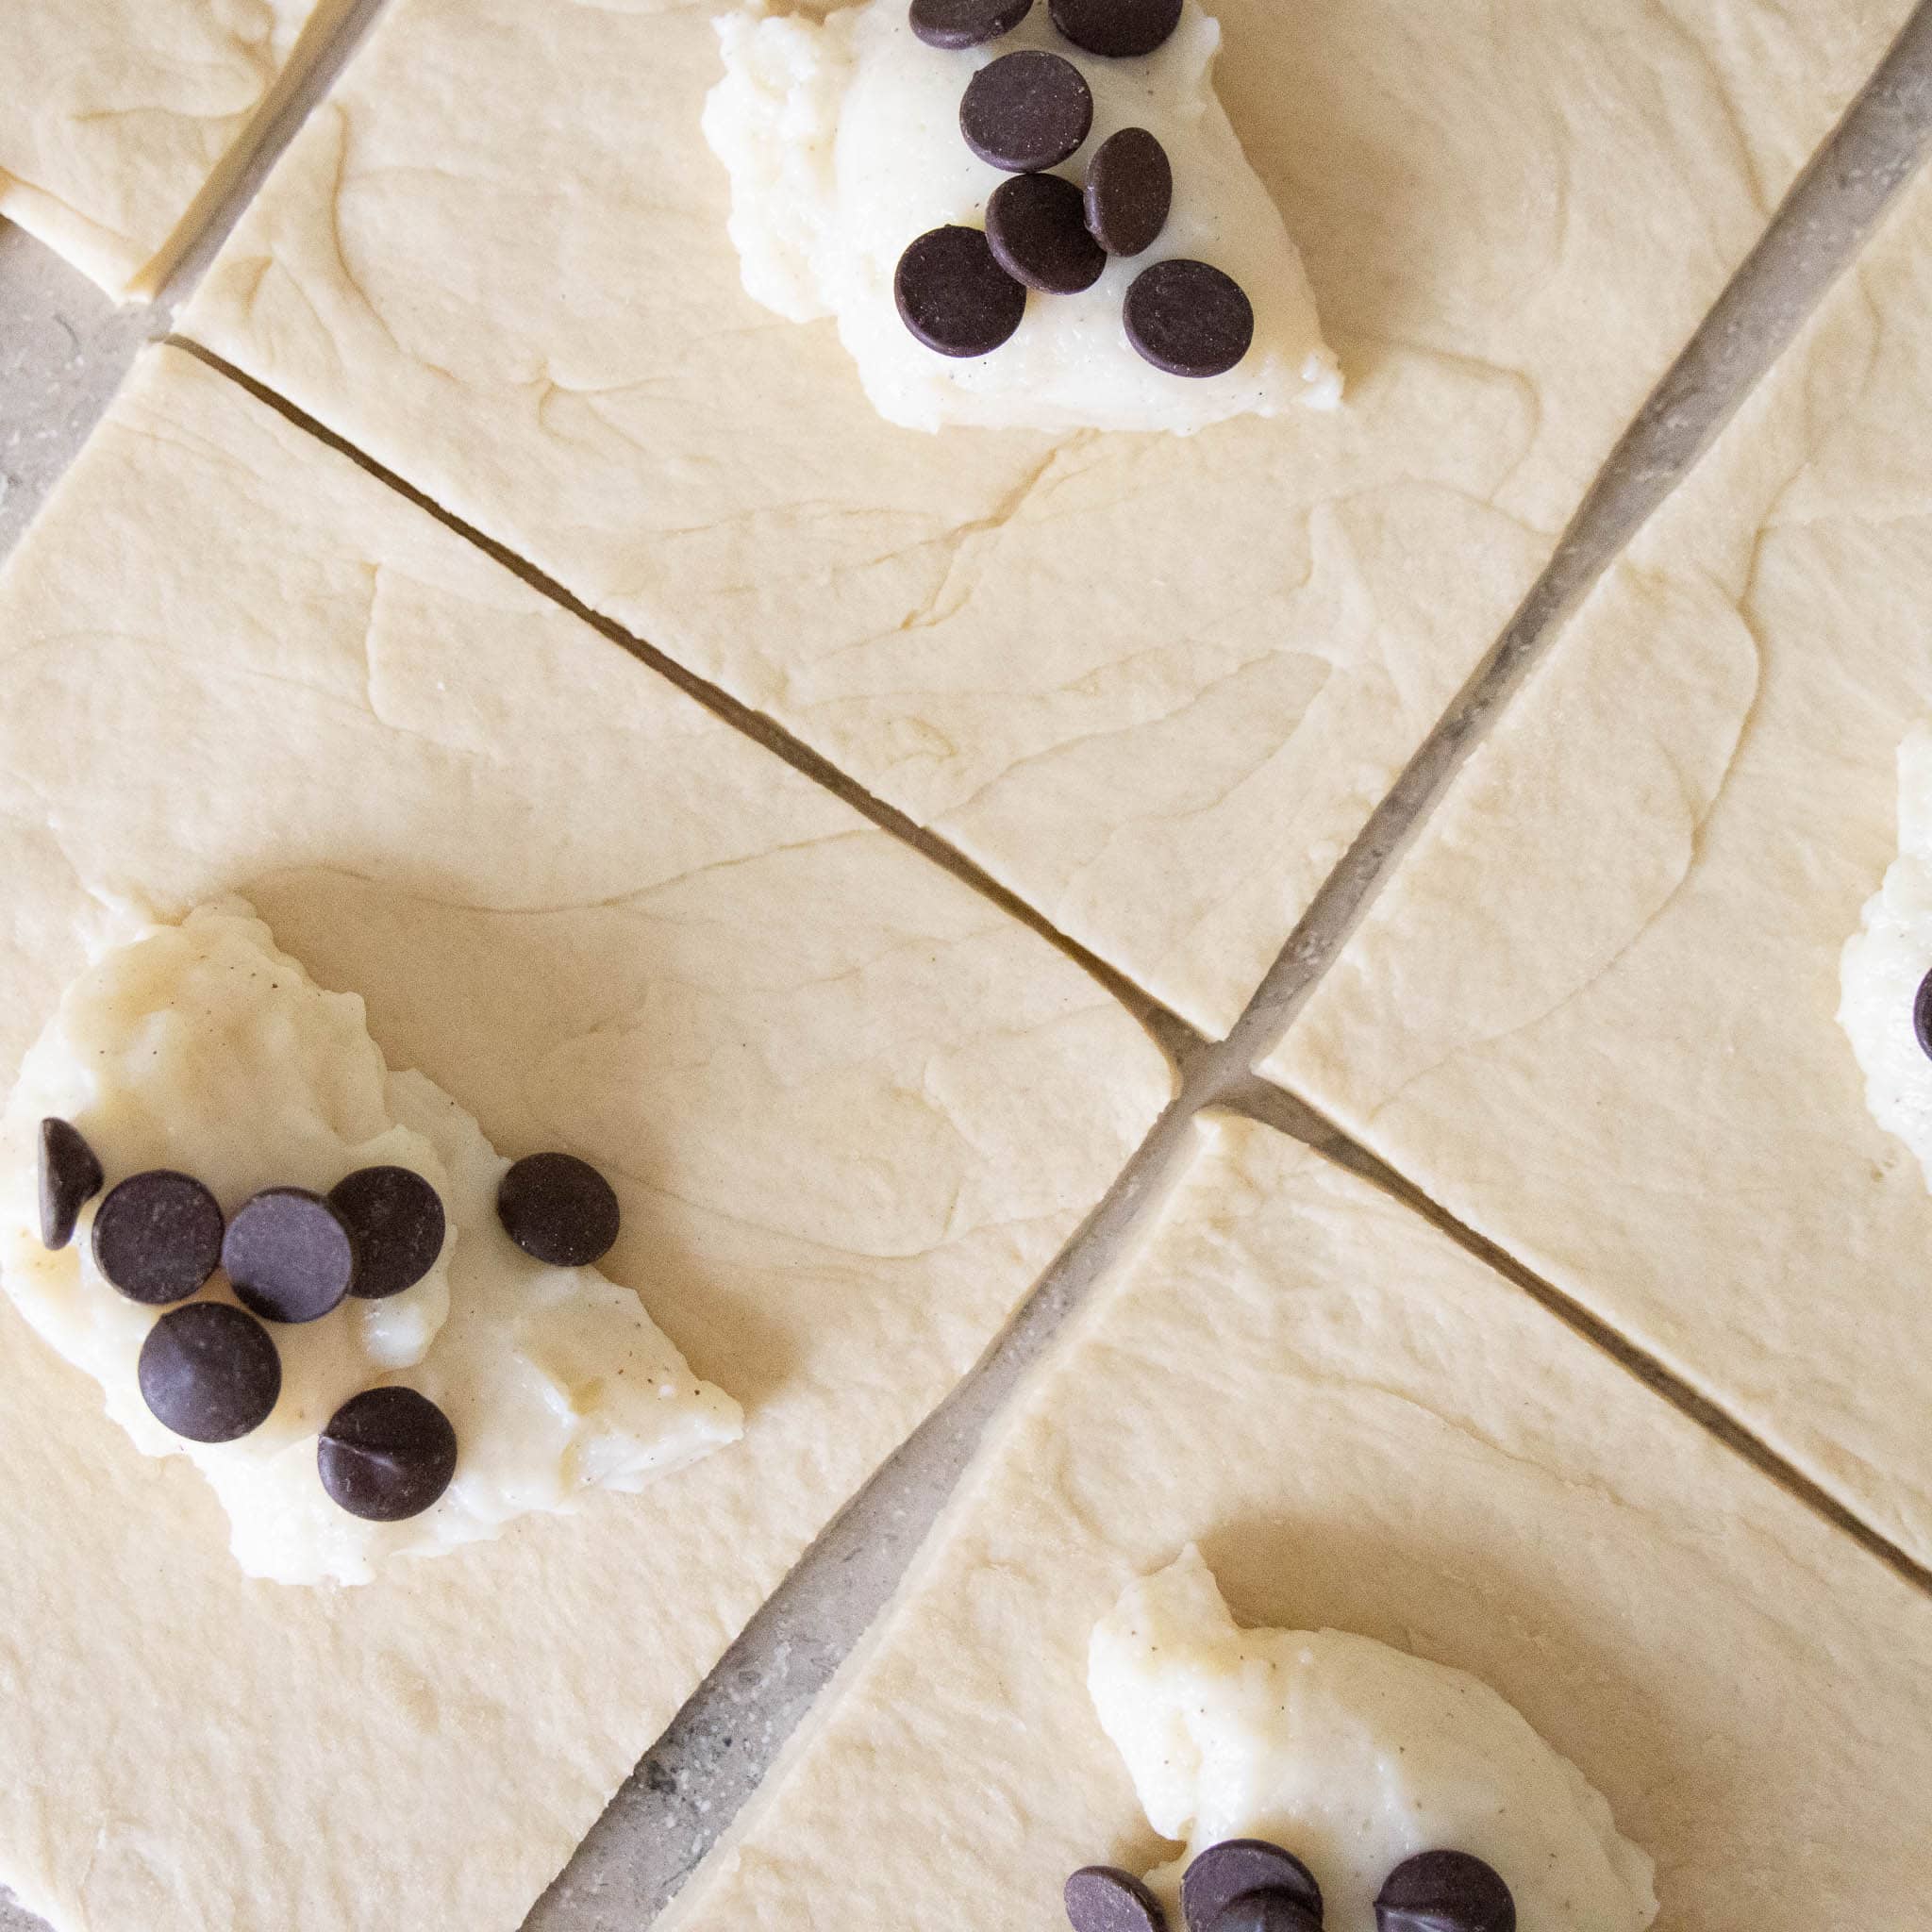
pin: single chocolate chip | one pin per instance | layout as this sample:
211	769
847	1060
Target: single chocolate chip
954	296
387	1454
157	1237
1129	191
559	1208
1922	1015
71	1176
1102	1898
1189	319
1266	1911
966	23
288	1254
1121	28
1237	1865
210	1372
1037	229
1027	111
1444	1892
396	1220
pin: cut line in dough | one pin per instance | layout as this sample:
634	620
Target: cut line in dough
852	1110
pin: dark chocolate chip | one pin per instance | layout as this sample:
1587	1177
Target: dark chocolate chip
397	1222
288	1254
1102	1898
1444	1892
559	1208
210	1372
1266	1911
1129	191
70	1178
1037	229
1922	1015
954	296
1027	111
1223	1872
966	23
1121	28
157	1237
387	1454
1189	319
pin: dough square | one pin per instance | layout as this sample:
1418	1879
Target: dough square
1593	1012
126	121
1365	1430
852	1109
1155	686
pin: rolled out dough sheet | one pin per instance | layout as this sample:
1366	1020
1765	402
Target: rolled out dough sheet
852	1110
122	121
1594	1013
1155	686
1364	1429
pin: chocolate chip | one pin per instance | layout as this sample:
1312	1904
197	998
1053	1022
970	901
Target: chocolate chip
1922	1015
209	1372
966	23
1266	1911
1122	28
1102	1898
396	1220
1444	1892
1129	191
157	1237
1189	319
1037	229
70	1178
1223	1872
288	1254
387	1454
954	296
1027	111
559	1208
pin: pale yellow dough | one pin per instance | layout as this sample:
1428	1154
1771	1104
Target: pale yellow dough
1366	1430
122	121
851	1107
1155	685
1594	1012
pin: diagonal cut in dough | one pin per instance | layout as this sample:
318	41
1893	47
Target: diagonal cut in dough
851	1108
1593	1012
1155	686
1365	1430
127	123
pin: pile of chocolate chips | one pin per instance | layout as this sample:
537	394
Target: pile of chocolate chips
1248	1884
962	291
210	1372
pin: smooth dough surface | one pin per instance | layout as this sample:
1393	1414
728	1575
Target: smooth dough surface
1594	1012
125	120
1155	685
850	1107
1366	1430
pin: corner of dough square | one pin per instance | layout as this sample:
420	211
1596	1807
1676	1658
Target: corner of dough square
1364	1431
851	1110
1155	684
126	123
1595	1013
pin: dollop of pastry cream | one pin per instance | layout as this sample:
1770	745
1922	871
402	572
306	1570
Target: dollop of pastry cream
1350	1756
843	140
1885	1002
202	1049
